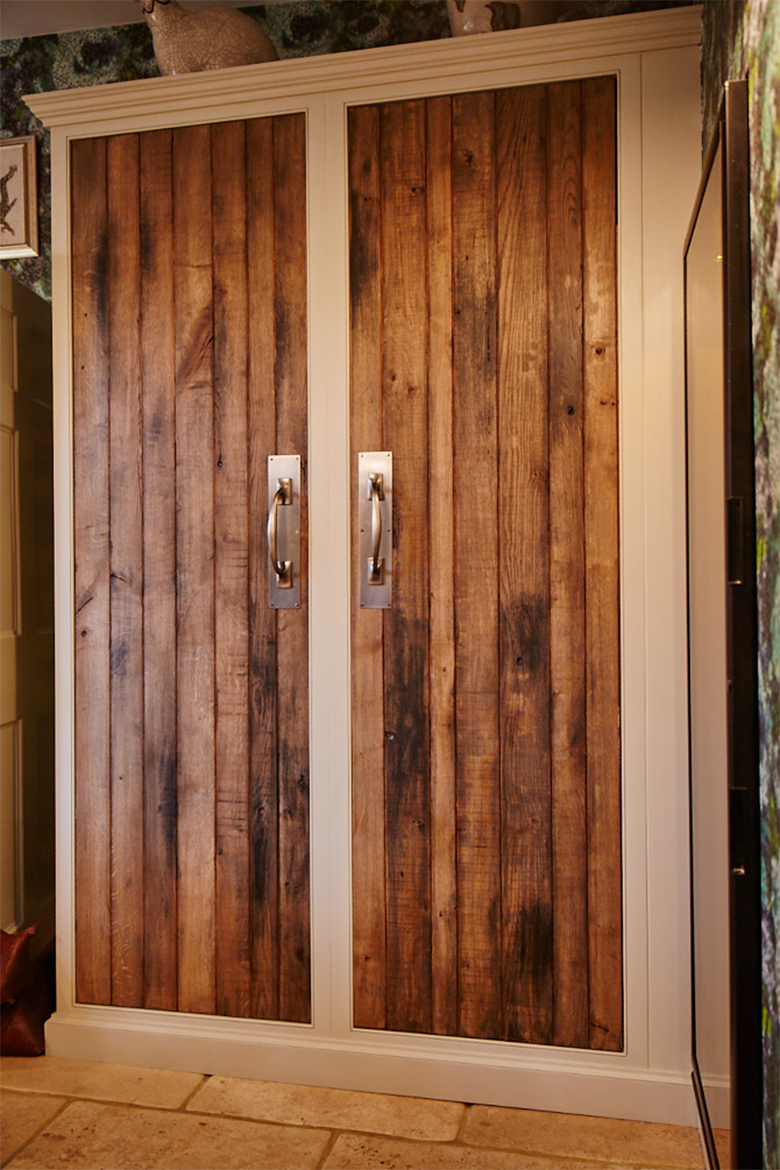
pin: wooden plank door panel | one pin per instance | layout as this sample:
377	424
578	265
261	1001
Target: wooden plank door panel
192	757
483	350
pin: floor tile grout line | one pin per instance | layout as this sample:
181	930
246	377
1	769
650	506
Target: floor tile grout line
463	1122
70	1096
204	1080
334	1136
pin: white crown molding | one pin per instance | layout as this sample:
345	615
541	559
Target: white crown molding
205	97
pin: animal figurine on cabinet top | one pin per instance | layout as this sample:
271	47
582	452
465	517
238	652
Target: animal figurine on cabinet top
213	38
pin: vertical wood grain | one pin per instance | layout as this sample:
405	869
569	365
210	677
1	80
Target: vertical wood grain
126	477
292	625
407	767
477	496
567	570
195	567
159	531
523	476
366	434
92	585
228	143
602	629
441	541
264	829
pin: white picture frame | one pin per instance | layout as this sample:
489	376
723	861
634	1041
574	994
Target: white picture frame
18	198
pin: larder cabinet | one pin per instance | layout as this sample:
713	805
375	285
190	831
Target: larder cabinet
354	791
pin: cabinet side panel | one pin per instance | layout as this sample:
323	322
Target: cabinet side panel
92	586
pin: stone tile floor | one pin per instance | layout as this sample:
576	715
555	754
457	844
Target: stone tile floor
56	1113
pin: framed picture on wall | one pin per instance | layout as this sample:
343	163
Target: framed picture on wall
18	198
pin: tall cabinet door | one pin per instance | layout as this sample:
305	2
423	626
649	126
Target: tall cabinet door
191	743
487	889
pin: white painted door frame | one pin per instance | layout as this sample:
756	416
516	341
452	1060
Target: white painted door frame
655	57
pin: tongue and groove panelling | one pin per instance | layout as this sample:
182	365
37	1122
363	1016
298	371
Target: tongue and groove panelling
487	894
192	874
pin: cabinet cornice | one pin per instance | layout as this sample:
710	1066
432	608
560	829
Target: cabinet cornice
198	97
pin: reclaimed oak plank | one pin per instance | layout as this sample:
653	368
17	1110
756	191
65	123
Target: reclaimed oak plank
404	382
159	534
231	583
264	795
292	624
366	434
523	459
602	585
194	343
444	891
567	569
89	251
476	579
125	502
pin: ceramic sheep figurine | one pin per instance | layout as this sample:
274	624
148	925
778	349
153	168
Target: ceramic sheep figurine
213	38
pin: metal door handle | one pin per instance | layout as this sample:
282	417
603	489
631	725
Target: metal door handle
375	529
284	531
376	494
283	569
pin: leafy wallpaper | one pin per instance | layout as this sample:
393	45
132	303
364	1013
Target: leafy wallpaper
740	38
743	40
298	28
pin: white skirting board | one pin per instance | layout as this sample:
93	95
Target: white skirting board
235	1049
